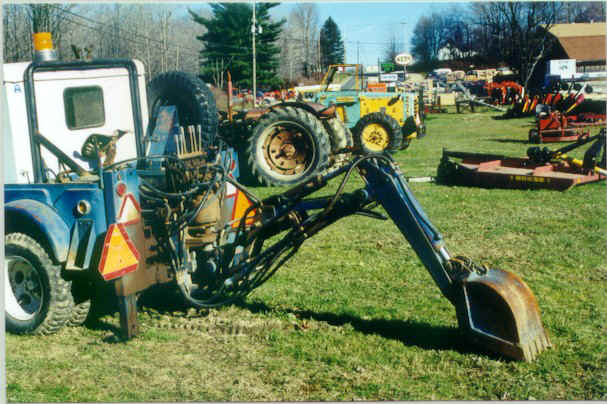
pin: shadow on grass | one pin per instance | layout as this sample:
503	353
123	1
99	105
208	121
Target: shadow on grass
161	298
408	332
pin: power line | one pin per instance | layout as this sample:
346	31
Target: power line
144	40
134	34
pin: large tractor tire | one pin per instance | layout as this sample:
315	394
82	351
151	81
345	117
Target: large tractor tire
339	135
377	133
36	298
194	101
287	147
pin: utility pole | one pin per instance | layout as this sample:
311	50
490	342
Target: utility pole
253	29
404	50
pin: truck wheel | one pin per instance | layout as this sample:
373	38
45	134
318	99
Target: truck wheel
79	314
377	132
194	101
288	146
37	299
340	137
80	292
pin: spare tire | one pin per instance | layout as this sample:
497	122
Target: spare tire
194	101
288	146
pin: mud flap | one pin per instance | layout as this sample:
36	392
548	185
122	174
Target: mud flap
498	311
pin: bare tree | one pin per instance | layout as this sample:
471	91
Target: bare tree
304	18
158	35
17	33
393	47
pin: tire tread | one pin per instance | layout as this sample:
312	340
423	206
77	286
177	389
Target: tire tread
61	303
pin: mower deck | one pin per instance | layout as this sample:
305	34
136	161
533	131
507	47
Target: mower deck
519	173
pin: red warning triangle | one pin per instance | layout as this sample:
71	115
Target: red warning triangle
119	255
130	211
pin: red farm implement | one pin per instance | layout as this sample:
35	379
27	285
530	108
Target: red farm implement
559	127
542	168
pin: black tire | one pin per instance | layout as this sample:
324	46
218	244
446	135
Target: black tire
79	314
409	127
312	146
37	299
194	101
339	135
385	136
81	293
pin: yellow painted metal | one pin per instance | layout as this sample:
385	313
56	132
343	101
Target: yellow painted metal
375	137
341	113
118	255
334	68
369	105
345	99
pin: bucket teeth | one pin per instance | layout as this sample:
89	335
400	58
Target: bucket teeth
536	346
500	312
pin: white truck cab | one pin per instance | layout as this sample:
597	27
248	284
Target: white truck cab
68	102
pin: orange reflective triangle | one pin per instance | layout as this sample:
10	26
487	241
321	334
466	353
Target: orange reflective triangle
130	212
241	204
119	254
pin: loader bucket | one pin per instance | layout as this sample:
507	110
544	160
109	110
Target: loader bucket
498	311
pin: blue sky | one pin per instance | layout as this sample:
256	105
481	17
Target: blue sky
371	23
367	25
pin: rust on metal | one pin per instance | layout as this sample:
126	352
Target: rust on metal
128	315
520	173
499	311
255	113
286	151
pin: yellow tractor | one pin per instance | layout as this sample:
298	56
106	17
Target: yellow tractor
379	121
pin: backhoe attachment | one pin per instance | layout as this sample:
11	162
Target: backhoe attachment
494	308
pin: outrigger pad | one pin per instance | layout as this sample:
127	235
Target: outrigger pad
498	311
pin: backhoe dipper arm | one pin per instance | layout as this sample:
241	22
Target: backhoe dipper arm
385	184
494	308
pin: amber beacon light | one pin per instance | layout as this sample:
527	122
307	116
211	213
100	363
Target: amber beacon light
43	47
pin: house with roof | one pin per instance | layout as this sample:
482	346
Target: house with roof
584	42
579	46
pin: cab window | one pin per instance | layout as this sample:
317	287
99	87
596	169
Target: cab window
84	107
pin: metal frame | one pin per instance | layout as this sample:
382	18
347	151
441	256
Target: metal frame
30	100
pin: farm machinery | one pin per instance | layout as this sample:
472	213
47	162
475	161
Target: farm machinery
543	168
379	121
556	121
163	206
285	143
289	142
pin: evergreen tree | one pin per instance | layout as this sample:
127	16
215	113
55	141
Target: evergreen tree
228	44
331	44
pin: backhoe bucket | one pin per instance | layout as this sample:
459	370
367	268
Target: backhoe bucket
499	312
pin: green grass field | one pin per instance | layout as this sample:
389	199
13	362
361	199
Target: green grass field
355	315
